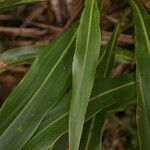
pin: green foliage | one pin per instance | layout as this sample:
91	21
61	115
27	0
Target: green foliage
84	68
42	111
142	51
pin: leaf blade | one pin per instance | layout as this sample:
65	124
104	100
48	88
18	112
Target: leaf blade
142	44
102	98
84	67
104	71
26	116
23	55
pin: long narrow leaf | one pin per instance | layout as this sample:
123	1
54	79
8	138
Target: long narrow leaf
107	59
142	39
84	67
24	109
104	71
115	93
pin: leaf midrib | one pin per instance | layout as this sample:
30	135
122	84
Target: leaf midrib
110	52
87	45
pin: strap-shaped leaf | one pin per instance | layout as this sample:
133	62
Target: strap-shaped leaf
8	3
24	109
106	61
84	67
115	93
104	71
142	46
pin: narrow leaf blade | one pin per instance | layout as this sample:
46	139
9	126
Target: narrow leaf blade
142	39
104	71
38	92
23	55
84	67
118	92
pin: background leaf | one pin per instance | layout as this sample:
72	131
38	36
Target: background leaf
142	39
26	55
23	55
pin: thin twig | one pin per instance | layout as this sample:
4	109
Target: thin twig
24	32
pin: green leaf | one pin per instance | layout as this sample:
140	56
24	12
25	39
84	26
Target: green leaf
106	61
120	91
25	108
84	67
115	93
26	55
85	134
23	55
104	71
8	3
142	47
98	121
47	137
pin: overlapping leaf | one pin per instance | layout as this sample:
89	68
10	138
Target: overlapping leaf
26	55
115	93
104	71
84	67
142	39
41	88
